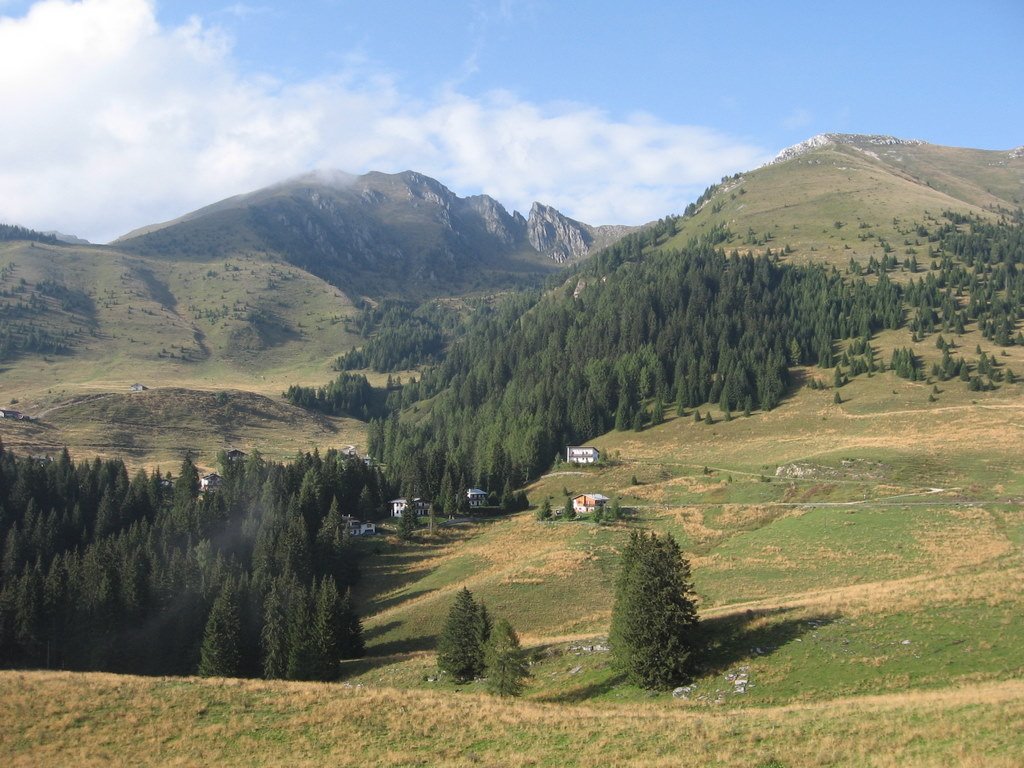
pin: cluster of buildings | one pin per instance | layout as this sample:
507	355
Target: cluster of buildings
583	504
476	497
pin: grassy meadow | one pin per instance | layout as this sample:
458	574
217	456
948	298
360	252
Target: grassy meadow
52	718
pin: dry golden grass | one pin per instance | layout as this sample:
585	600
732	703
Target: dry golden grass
912	594
49	718
976	541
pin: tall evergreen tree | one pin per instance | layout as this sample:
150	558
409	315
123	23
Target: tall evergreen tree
301	654
459	648
504	662
221	652
326	631
408	522
350	639
654	617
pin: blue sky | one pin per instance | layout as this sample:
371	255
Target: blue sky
131	111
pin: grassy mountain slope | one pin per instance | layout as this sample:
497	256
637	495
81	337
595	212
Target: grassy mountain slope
243	324
107	719
223	320
158	427
755	536
876	193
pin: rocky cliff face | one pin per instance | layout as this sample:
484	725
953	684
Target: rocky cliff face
556	236
508	228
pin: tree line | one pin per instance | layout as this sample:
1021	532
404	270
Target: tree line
145	574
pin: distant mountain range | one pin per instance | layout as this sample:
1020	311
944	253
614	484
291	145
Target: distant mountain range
380	234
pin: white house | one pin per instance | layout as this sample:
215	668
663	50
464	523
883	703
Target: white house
582	454
398	506
358	527
210	482
136	387
477	498
588	502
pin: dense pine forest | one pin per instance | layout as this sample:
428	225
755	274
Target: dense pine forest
640	329
626	338
148	575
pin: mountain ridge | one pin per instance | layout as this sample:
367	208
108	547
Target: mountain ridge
342	227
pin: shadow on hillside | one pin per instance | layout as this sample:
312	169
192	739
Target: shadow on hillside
581	693
389	572
734	638
404	645
798	379
380	629
373	606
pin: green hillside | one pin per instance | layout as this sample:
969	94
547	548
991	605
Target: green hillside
241	325
158	427
853	196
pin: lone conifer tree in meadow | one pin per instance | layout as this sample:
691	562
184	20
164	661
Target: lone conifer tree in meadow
460	649
654	618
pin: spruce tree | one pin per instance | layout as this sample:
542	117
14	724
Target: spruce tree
483	624
544	510
408	522
350	641
220	655
301	658
274	630
326	631
459	650
568	510
654	619
505	664
658	411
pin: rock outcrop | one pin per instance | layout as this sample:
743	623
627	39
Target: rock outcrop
556	236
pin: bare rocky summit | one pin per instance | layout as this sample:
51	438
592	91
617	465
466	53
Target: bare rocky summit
854	139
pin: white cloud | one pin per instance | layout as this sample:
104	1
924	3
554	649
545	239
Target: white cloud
112	122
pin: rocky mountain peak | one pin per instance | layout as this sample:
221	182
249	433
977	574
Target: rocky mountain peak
507	228
556	236
858	140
